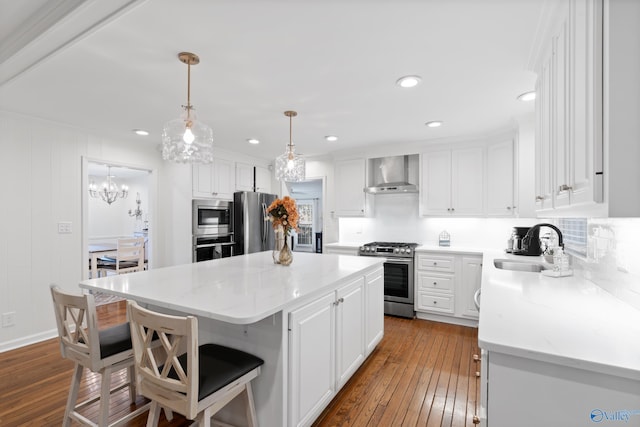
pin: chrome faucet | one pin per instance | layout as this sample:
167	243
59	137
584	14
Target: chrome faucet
531	240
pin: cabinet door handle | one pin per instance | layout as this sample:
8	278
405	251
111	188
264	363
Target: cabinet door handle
340	299
539	198
435	302
476	419
508	208
476	358
565	187
435	283
214	194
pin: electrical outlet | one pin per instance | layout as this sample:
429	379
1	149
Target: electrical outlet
8	319
64	227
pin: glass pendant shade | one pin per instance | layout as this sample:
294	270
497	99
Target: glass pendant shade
187	140
290	167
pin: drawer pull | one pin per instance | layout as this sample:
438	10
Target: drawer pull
435	302
435	283
477	374
476	358
435	263
476	419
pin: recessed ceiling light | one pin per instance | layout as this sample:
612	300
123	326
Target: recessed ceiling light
434	124
141	132
253	141
408	81
331	138
527	96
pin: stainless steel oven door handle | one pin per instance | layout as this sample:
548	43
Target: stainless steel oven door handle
214	244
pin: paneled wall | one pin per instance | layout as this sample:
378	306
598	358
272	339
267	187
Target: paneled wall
41	181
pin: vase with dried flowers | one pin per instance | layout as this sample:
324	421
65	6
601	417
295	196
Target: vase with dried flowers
283	214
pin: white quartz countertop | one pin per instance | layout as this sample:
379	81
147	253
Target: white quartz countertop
242	289
568	321
351	245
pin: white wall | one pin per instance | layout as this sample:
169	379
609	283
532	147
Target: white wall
41	172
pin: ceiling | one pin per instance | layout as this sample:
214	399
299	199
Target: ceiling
334	62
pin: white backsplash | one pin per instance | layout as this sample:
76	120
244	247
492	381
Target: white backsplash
396	218
613	244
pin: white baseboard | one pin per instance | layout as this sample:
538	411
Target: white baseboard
31	339
447	319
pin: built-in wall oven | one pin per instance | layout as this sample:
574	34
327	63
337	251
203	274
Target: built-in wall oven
212	247
212	224
398	275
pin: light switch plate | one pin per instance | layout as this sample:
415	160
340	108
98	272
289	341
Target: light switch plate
64	227
8	319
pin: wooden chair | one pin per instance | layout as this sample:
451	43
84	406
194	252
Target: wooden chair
129	257
103	352
195	381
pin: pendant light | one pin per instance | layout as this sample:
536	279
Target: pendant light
290	166
186	139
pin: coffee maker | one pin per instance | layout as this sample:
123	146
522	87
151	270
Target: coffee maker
514	244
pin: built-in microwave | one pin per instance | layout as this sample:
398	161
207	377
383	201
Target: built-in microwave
212	217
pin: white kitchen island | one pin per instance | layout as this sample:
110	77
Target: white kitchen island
313	322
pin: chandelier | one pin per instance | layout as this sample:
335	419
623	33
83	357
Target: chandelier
290	166
187	139
109	191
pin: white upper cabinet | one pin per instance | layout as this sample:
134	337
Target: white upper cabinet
244	177
569	109
252	178
215	180
452	182
500	179
349	187
435	188
263	179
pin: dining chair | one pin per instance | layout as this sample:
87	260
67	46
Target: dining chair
195	381
129	257
101	351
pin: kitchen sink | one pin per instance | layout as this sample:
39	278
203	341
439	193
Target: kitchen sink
520	265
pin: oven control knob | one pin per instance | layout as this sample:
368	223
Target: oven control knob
402	250
408	251
396	250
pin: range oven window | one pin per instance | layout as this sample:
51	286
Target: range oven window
396	279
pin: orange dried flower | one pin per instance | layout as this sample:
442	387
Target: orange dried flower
284	212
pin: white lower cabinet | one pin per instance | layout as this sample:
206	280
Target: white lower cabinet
532	393
446	283
374	309
329	339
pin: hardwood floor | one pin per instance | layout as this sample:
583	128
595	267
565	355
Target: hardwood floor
421	374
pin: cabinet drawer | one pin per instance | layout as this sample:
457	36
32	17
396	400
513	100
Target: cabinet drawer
431	302
435	282
435	263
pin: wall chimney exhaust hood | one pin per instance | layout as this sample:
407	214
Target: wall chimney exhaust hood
395	174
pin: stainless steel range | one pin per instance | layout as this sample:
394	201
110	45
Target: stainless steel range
398	275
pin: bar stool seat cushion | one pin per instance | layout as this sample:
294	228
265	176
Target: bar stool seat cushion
218	366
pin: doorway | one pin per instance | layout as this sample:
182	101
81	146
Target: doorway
108	219
308	197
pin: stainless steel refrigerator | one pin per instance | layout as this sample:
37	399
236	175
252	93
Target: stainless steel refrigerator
252	229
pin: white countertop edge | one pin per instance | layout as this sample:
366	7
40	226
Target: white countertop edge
350	245
587	365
